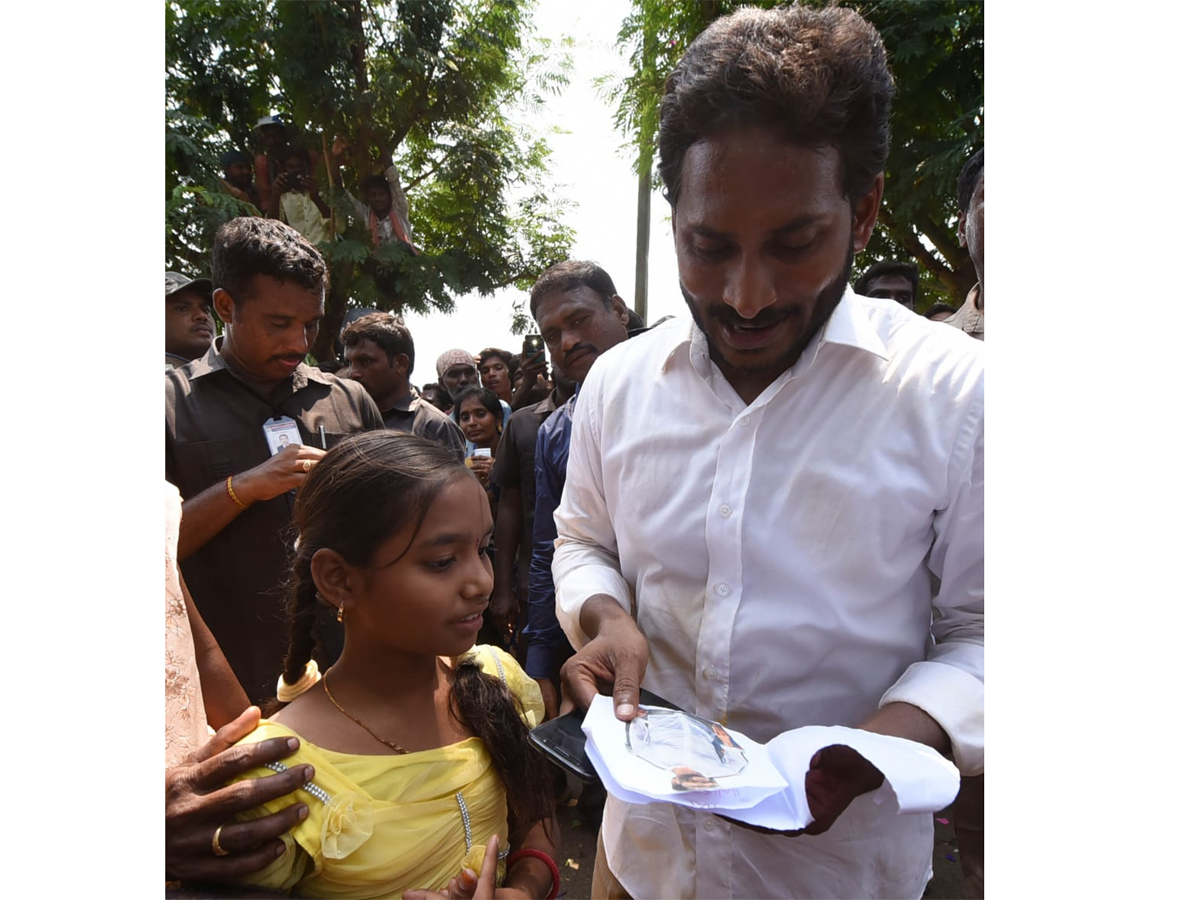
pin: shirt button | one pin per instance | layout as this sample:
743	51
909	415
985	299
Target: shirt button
725	510
710	824
710	672
744	421
723	590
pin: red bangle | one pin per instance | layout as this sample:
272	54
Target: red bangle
544	857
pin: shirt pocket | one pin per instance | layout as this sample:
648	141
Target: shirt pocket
203	463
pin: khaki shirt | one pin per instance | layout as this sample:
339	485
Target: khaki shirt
422	418
968	318
214	430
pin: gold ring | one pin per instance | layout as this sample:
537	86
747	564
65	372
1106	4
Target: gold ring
306	465
218	850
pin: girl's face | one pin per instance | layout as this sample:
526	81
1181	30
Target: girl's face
427	593
478	424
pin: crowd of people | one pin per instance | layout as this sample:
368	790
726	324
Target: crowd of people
283	183
770	513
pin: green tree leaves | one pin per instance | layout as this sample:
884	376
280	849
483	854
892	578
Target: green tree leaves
427	84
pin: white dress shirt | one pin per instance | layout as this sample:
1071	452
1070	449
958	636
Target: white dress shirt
783	560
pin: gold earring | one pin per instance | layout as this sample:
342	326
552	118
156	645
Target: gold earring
341	610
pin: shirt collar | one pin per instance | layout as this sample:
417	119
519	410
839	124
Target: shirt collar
850	325
409	403
213	361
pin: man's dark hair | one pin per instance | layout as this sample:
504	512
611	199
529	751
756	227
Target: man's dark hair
967	180
817	76
503	355
375	181
386	331
568	275
249	246
938	307
299	152
229	157
885	268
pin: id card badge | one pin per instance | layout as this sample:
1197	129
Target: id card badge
281	432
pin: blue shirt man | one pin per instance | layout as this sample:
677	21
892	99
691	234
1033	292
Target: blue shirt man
580	316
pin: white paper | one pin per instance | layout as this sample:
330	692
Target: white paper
769	792
635	775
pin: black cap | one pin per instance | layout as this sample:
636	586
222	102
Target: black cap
177	282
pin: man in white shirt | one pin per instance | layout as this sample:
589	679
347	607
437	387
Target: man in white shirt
764	507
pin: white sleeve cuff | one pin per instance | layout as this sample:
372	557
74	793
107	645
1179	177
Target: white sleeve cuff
954	699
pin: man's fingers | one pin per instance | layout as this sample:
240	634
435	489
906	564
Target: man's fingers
244	837
228	736
627	689
228	764
578	686
226	868
251	793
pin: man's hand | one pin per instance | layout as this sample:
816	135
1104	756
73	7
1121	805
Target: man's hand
549	698
837	774
615	658
280	185
198	803
278	475
503	610
534	386
340	146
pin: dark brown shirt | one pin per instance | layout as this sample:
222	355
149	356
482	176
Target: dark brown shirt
514	468
419	417
214	430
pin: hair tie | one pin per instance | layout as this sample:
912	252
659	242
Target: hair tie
286	693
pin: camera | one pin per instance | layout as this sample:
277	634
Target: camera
533	346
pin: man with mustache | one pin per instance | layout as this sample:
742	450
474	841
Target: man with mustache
190	327
580	316
270	293
765	505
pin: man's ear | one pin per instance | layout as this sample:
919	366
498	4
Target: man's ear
223	304
622	310
401	362
866	211
334	578
962	230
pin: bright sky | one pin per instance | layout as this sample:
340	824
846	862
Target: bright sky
589	166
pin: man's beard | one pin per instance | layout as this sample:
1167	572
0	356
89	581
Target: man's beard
827	300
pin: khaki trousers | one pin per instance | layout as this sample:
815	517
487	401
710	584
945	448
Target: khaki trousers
604	883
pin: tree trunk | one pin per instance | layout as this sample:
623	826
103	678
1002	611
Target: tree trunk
642	272
336	301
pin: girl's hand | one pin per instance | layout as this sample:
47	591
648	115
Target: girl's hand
469	886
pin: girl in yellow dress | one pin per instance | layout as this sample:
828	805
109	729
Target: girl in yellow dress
424	779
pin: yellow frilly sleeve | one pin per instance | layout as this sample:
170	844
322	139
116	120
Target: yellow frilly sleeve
334	828
527	696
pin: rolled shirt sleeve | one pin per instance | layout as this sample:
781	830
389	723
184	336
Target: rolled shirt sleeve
948	684
585	555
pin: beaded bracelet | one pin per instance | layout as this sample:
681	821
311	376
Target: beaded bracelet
232	495
544	857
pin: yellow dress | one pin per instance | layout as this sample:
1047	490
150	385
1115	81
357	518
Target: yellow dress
379	825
